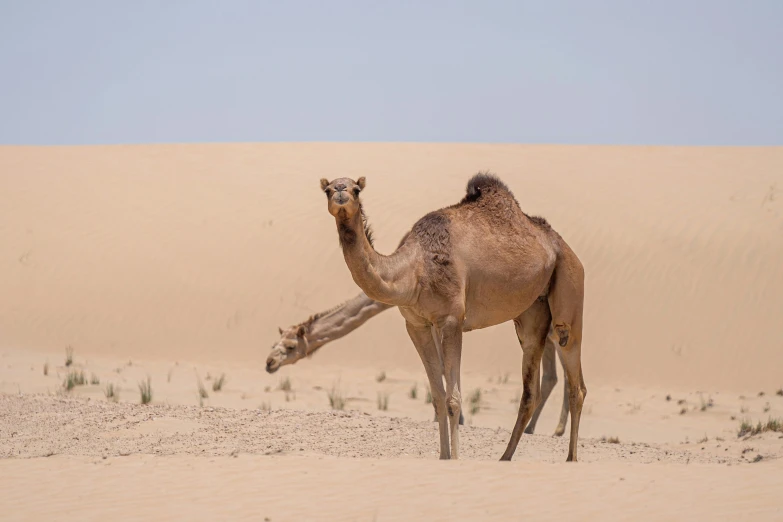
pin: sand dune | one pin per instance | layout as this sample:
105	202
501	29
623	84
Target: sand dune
200	251
178	262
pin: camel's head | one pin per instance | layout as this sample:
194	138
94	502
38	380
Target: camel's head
343	196
290	348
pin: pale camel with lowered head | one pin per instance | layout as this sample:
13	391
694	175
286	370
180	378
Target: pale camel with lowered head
472	265
303	339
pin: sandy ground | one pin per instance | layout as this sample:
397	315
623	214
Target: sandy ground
178	262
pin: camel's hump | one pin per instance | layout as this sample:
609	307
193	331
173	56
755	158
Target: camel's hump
482	183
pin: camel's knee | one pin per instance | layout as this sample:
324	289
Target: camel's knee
563	332
454	403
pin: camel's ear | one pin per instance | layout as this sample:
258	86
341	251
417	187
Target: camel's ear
361	182
280	330
301	331
324	183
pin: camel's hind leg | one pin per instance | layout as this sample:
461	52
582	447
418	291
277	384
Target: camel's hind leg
531	326
548	382
566	302
561	425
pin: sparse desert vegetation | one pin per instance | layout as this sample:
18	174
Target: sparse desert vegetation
474	401
428	396
383	401
94	380
46	368
218	383
336	398
749	429
68	356
145	391
285	385
111	392
380	377
73	379
611	440
202	390
413	393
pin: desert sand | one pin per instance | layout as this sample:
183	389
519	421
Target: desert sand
177	263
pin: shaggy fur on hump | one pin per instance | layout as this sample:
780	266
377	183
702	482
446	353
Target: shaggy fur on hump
485	183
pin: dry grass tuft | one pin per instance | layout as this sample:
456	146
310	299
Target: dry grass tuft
380	377
779	392
218	383
265	406
748	429
383	401
336	398
202	390
111	392
611	440
285	385
145	390
475	401
428	397
46	368
414	391
94	380
68	355
74	379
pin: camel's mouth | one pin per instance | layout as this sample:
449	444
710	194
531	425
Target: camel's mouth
272	366
340	198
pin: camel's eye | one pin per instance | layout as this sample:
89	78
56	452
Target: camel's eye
356	191
328	192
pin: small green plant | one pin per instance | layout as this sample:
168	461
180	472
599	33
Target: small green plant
202	391
383	401
746	428
428	397
336	399
414	391
380	377
94	380
285	385
111	392
475	401
68	355
218	383
74	379
611	440
46	368
145	389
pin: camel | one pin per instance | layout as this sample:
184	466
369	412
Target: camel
303	339
472	265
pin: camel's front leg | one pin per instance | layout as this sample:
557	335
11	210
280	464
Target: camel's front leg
451	342
423	339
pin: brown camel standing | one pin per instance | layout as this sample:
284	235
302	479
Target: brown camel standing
303	339
472	265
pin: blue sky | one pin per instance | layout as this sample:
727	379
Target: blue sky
685	72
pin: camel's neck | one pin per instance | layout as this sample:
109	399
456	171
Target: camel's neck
341	321
388	279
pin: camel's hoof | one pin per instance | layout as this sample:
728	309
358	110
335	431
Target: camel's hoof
505	459
559	432
529	431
